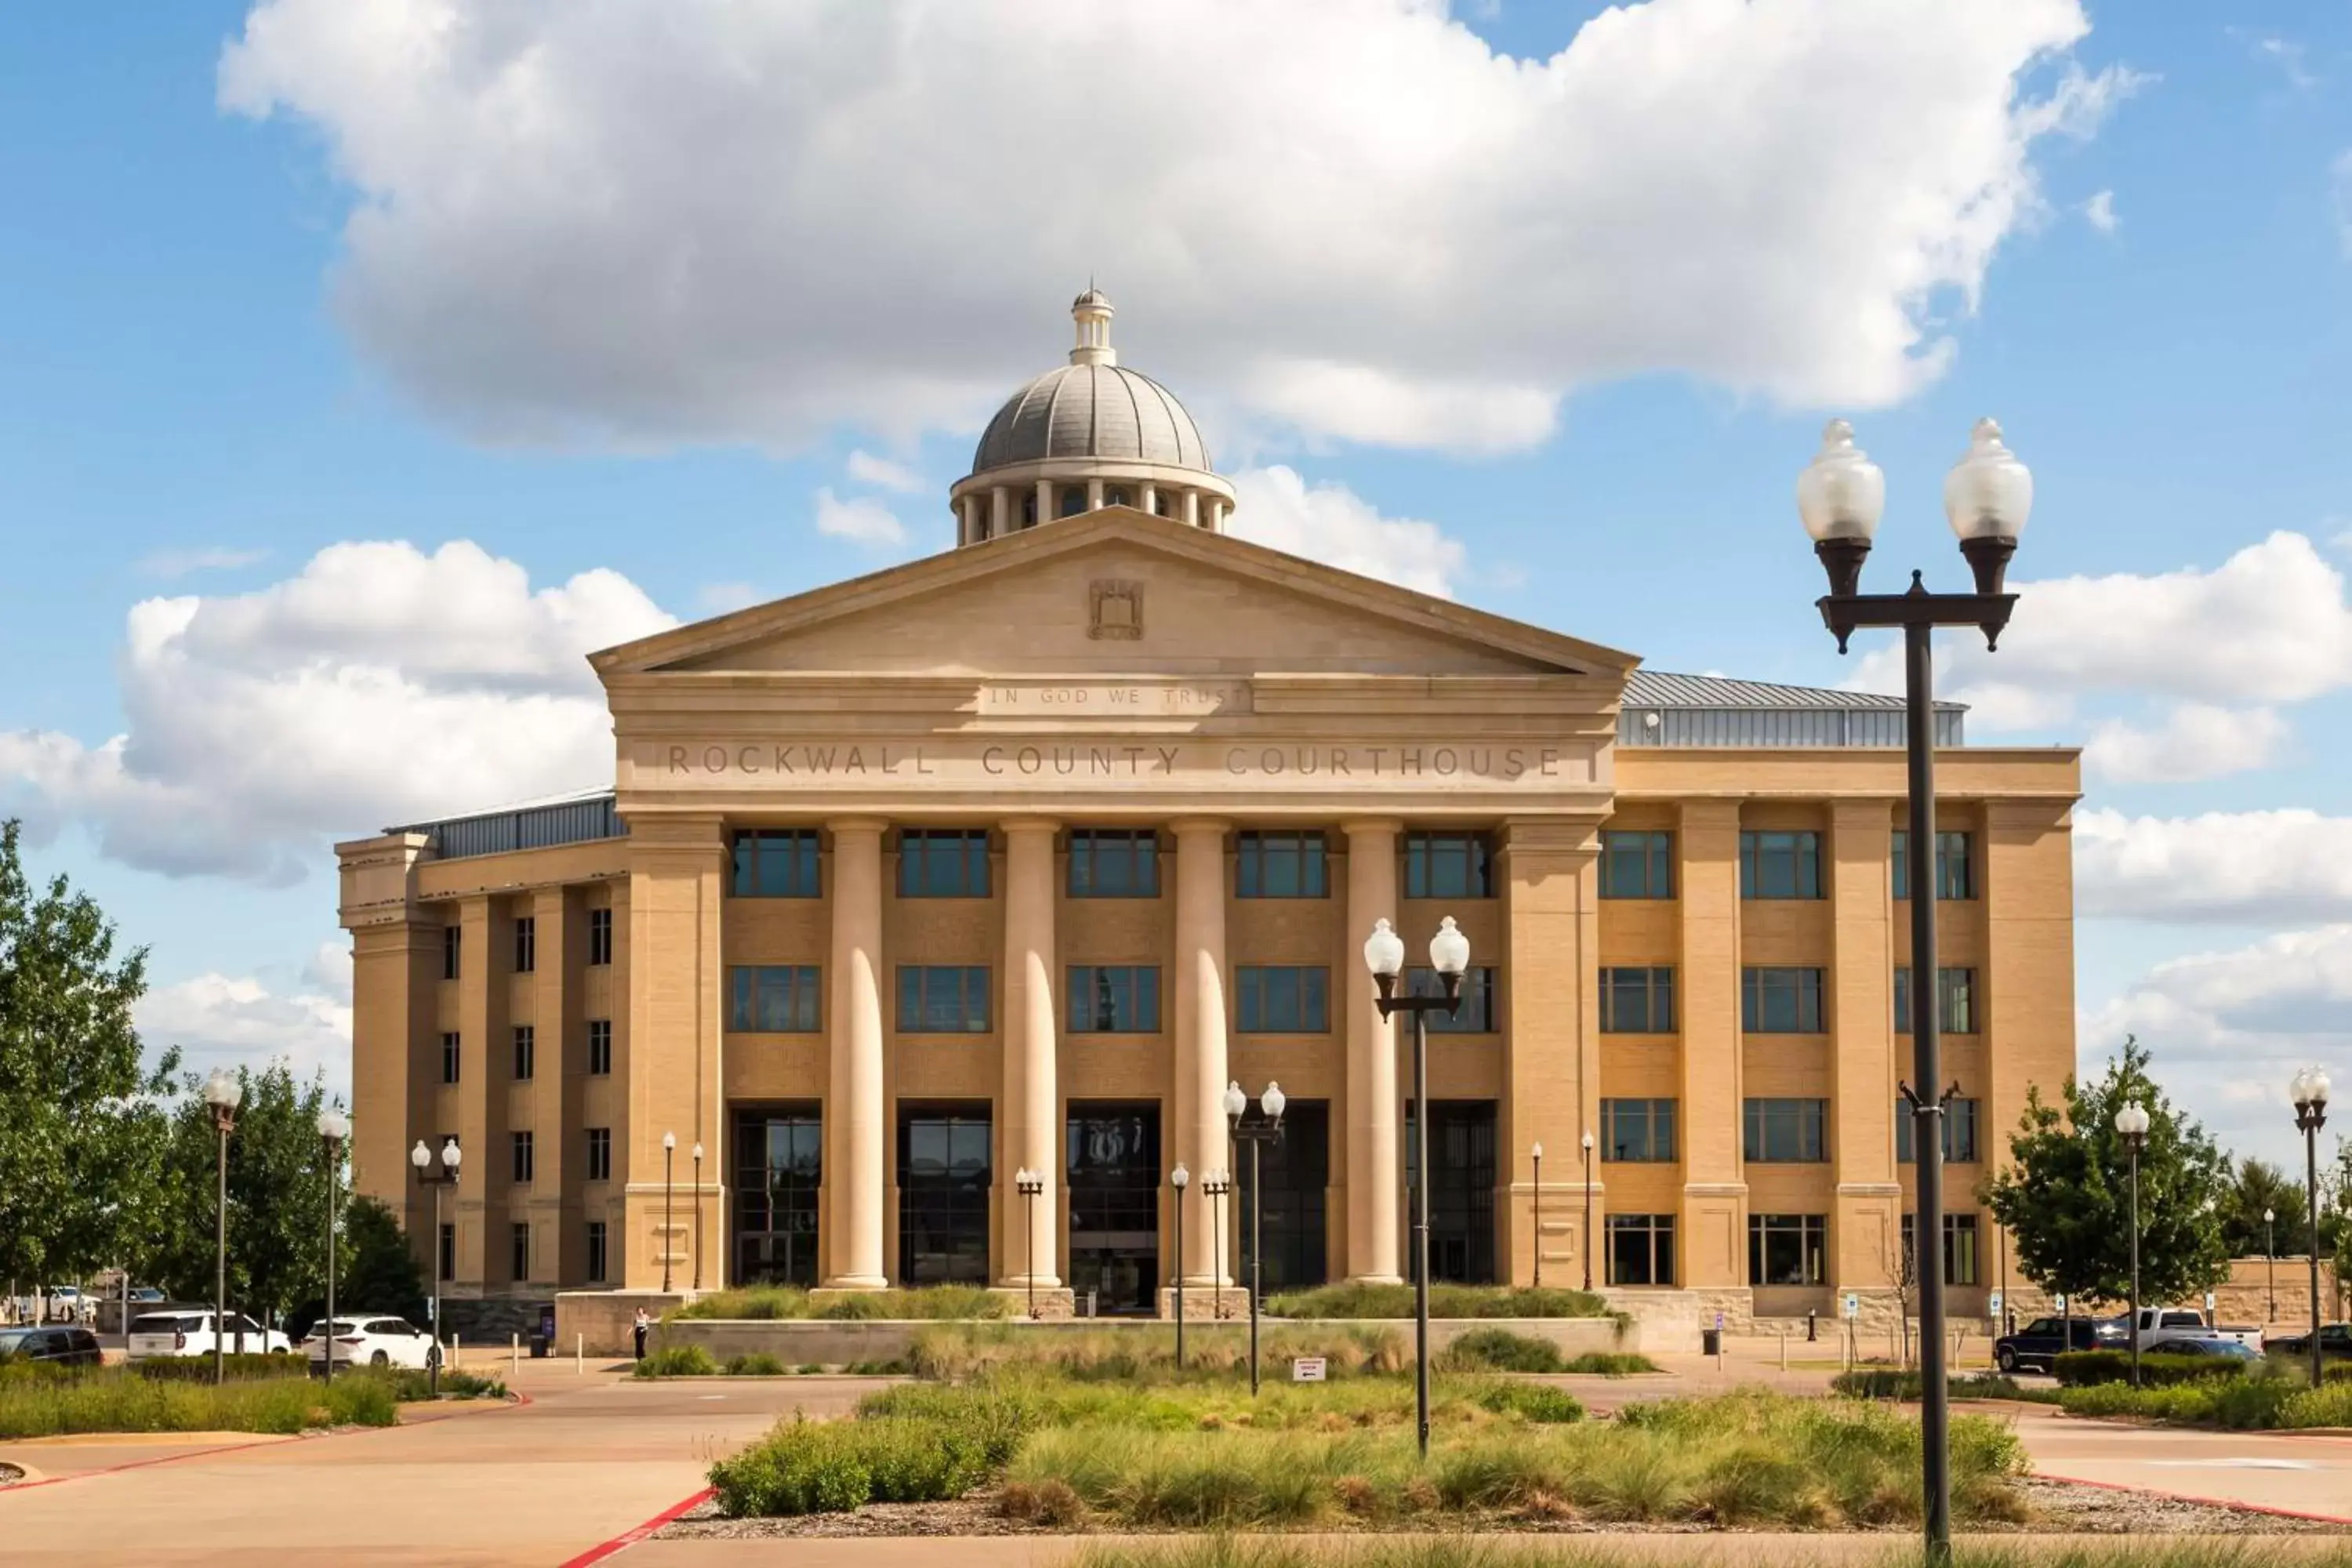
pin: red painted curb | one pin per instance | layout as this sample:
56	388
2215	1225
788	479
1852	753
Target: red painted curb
629	1538
2192	1496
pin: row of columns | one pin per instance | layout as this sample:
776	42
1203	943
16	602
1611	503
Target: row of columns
1029	1101
990	516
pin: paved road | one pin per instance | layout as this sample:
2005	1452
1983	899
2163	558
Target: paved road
2297	1472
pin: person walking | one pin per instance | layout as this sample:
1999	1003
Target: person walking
643	1323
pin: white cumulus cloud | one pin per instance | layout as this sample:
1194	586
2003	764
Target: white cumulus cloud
2250	867
1330	523
380	683
222	1020
2195	741
712	221
2099	211
857	519
867	469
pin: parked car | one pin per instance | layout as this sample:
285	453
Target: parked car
2158	1326
2334	1340
191	1333
369	1342
62	1344
66	1303
145	1294
2036	1347
2208	1345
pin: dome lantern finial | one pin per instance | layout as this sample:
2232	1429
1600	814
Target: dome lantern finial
1092	313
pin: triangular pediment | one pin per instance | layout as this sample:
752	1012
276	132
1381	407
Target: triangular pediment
1114	591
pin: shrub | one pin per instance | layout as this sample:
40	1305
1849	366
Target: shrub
1612	1363
1499	1350
1127	1355
235	1368
770	1302
114	1399
678	1361
829	1466
1359	1301
757	1363
411	1383
2083	1369
1534	1402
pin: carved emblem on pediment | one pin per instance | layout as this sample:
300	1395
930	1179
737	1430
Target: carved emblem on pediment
1115	610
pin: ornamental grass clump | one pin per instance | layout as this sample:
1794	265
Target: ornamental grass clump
54	1403
1459	1550
2085	1369
1360	1300
1148	1352
779	1302
677	1360
829	1466
1499	1350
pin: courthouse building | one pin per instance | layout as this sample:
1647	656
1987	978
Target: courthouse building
1014	855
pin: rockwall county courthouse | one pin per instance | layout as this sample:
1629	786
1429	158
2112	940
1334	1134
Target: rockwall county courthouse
1014	855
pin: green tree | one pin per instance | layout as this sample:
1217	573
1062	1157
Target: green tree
383	1275
276	1195
2255	1188
2064	1196
80	1135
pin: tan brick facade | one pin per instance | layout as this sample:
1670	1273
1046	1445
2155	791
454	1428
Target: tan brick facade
1263	693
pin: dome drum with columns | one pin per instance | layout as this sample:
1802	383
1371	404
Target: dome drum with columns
1088	435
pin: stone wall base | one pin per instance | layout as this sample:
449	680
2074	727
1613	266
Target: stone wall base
1205	1305
600	1321
1053	1303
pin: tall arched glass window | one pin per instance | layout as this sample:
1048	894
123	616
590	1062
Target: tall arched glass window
1074	499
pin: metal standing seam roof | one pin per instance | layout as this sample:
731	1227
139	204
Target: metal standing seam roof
1092	411
1660	688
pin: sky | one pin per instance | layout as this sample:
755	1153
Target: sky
363	367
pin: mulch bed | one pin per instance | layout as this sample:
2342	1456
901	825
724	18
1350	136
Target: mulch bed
2056	1506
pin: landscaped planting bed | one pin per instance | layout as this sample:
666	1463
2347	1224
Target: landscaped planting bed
778	1302
1460	1551
1356	1300
38	1401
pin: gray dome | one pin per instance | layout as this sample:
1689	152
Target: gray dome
1092	411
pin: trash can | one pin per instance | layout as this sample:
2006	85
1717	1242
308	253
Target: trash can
1710	1342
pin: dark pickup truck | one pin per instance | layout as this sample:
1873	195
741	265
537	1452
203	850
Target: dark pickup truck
2037	1346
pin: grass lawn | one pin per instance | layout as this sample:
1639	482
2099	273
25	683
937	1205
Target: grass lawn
49	1402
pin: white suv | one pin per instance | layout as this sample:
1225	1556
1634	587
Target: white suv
369	1342
191	1333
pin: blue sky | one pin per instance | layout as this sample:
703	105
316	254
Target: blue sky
209	375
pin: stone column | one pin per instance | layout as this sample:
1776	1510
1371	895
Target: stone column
967	520
1714	1240
1201	1012
1094	495
1374	1110
1866	1058
1192	508
1045	500
1032	1104
999	511
1149	500
853	1098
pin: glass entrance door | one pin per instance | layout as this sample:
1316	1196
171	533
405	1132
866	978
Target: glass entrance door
1114	1175
1296	1171
778	1158
943	1179
1461	1190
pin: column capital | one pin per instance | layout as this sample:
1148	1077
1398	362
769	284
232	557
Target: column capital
1197	826
1710	813
1568	836
1874	811
875	825
1013	825
1391	825
677	830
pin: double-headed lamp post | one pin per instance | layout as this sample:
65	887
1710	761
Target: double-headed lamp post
1215	1185
1535	1215
1178	1179
422	1158
2131	1126
2270	1266
1987	497
1449	955
334	1130
2309	1092
1029	1184
1266	1128
223	1094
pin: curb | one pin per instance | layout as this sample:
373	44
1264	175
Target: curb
628	1538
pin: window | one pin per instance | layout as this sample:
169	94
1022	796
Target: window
943	1182
1113	999
776	865
599	936
1780	1001
450	1057
1960	1265
943	863
1116	496
1786	1249
600	1047
1780	864
1475	1016
942	999
448	1251
522	1255
1282	999
1956	998
526	1052
775	998
1448	866
600	1153
1637	1001
598	1261
1637	864
452	939
526	954
1960	1131
1784	1132
522	1165
1637	1131
1955	877
1074	499
1115	863
1281	866
1641	1249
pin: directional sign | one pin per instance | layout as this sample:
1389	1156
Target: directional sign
1853	1304
1307	1368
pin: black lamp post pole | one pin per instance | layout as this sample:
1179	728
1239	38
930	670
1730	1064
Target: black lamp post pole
1588	1213
669	1160
2132	1141
433	1360
1449	1001
1535	1218
2310	1116
1256	1132
1030	1184
1213	1187
2270	1269
1180	1275
223	1119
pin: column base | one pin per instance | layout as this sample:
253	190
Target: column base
1202	1305
1375	1279
849	1285
1056	1302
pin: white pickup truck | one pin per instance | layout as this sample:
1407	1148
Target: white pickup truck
2159	1326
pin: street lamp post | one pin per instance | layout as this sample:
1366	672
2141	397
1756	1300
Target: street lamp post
697	1218
334	1127
1587	1142
1535	1214
2131	1126
1987	497
1214	1186
669	1159
223	1094
2270	1267
1029	1184
422	1158
1257	1134
1449	955
2309	1092
1179	1178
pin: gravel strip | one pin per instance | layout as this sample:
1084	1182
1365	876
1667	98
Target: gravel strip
2055	1507
10	1475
